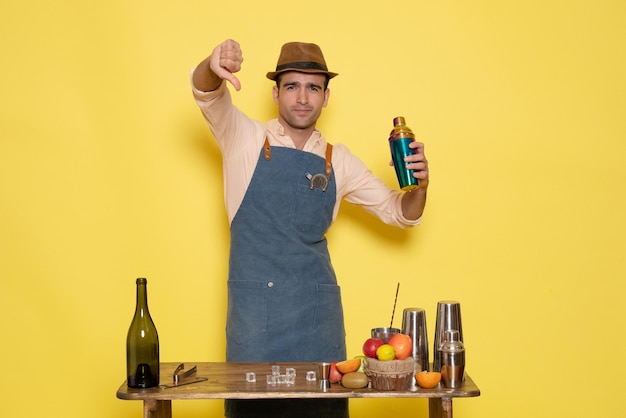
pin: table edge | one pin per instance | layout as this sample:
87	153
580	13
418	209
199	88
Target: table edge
469	390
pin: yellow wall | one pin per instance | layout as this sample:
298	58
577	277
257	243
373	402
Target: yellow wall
108	173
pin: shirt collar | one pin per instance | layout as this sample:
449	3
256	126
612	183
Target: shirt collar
313	144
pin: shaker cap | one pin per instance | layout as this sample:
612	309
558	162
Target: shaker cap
400	130
451	342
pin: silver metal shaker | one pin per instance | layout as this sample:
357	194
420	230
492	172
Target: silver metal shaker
414	325
448	319
452	360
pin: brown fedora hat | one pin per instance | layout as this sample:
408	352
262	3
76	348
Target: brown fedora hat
301	57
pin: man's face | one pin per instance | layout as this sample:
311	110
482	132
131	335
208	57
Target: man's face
300	99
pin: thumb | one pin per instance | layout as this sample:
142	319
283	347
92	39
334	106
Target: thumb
225	74
234	81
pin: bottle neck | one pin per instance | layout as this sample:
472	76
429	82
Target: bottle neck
142	299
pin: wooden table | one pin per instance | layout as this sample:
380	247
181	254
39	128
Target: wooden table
228	381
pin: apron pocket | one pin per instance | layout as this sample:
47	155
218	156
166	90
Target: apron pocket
312	213
247	309
329	315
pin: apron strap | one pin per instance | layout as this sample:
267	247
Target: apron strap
267	151
329	159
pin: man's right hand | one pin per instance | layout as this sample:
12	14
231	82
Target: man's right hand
226	60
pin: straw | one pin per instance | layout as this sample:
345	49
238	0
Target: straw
394	305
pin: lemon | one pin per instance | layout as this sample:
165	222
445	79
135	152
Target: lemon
385	352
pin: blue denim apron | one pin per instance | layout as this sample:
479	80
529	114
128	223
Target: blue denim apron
283	300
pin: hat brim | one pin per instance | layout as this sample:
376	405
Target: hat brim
273	74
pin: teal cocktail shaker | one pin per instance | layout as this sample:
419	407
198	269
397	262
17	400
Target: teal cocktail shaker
399	139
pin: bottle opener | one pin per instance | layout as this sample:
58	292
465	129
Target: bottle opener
317	181
184	377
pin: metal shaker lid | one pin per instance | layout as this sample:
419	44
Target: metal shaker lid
400	130
451	342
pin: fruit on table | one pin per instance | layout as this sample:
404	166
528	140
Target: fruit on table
428	380
362	366
354	380
402	344
334	375
348	366
385	352
370	346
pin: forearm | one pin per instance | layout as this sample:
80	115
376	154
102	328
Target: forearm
204	79
413	203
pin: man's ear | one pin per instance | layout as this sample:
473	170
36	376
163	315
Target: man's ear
275	94
326	97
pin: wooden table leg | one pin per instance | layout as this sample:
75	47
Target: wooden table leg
447	406
157	409
440	407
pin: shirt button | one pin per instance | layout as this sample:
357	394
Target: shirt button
270	284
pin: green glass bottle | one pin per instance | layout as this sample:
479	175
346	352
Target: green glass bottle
142	344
